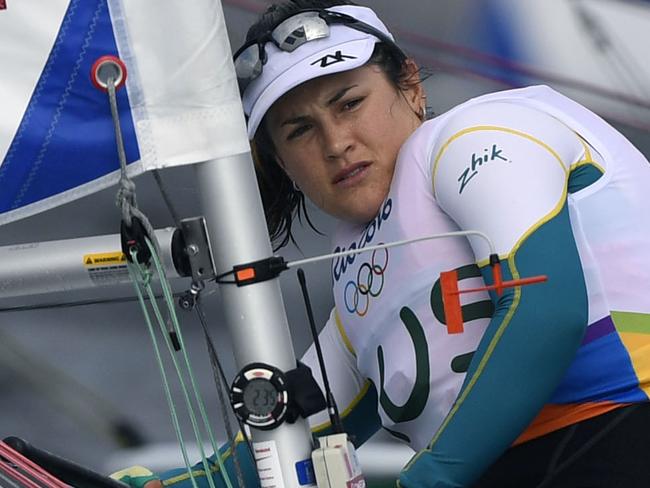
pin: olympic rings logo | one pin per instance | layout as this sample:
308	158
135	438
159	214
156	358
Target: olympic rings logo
369	283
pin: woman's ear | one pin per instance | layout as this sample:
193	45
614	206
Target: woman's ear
412	88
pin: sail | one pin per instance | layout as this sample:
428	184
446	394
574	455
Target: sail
57	142
180	106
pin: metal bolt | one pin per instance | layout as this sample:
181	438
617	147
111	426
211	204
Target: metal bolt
186	302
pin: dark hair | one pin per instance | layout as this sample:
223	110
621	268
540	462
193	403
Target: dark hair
277	12
282	202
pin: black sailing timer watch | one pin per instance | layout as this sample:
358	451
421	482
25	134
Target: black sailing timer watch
263	396
259	395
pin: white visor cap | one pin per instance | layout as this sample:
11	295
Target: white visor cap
344	49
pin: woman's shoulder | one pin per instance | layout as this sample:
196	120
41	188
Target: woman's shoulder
522	108
427	134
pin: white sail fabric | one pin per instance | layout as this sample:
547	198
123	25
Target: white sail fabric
180	105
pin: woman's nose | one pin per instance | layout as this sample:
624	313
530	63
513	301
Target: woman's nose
337	140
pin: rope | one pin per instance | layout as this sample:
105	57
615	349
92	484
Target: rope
141	277
174	322
220	381
28	466
166	198
221	384
126	194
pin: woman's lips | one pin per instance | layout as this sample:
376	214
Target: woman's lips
352	174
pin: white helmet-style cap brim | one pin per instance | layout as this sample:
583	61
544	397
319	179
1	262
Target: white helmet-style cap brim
344	49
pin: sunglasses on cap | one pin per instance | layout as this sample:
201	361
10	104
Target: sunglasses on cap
293	32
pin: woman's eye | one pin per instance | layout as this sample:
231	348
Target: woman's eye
349	105
298	131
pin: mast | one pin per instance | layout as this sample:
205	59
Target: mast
255	314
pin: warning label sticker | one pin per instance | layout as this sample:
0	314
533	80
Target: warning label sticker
107	268
104	259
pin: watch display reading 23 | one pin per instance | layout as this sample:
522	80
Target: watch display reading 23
259	396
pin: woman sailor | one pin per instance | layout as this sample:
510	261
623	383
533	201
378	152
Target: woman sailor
543	385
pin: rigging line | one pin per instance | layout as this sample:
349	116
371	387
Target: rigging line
121	153
126	195
220	384
30	467
350	252
197	396
22	471
166	198
127	202
487	58
225	382
138	274
188	402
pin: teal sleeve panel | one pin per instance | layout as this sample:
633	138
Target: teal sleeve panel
179	478
530	342
583	176
361	420
135	476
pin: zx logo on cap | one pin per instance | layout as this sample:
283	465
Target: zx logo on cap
331	59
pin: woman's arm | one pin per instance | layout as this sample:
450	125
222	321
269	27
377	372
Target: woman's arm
506	174
356	397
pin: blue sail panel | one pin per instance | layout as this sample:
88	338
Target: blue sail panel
180	104
66	137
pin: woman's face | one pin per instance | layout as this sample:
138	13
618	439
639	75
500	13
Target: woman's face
338	137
